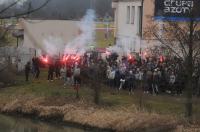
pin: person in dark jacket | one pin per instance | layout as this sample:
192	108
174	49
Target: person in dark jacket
57	68
77	79
33	66
37	68
130	81
50	70
27	70
117	79
155	82
149	78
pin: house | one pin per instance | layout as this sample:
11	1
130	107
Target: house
128	23
37	31
33	33
132	17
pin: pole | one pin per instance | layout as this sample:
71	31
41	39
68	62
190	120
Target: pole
140	46
35	52
17	42
141	30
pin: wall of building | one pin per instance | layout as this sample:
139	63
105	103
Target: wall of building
127	32
148	21
148	13
36	31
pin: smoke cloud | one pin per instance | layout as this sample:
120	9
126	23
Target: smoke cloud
53	45
123	46
86	39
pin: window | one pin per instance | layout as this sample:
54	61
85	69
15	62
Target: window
139	30
133	15
128	15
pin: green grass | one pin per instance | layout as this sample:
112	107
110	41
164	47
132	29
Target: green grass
101	41
103	25
100	36
163	104
39	88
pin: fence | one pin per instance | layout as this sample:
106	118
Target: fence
16	56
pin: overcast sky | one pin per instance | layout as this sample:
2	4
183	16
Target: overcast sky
66	9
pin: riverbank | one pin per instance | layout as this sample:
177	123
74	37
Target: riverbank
87	114
117	111
24	123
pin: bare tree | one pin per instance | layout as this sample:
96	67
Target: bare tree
5	30
182	39
22	13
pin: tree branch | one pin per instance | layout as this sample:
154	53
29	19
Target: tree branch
164	43
25	13
9	6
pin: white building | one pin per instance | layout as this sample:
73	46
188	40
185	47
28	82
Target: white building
36	31
128	23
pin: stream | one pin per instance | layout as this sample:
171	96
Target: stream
21	124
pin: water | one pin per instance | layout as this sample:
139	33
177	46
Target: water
19	124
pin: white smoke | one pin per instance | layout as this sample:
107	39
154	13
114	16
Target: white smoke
19	2
53	45
123	46
86	39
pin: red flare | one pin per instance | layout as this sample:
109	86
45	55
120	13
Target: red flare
77	58
145	54
44	59
162	59
67	57
129	57
107	53
74	57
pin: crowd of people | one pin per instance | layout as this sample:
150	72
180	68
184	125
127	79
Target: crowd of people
69	72
154	75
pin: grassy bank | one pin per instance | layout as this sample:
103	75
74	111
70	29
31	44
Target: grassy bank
101	41
117	111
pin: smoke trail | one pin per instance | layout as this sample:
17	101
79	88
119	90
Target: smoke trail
86	39
123	46
53	45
